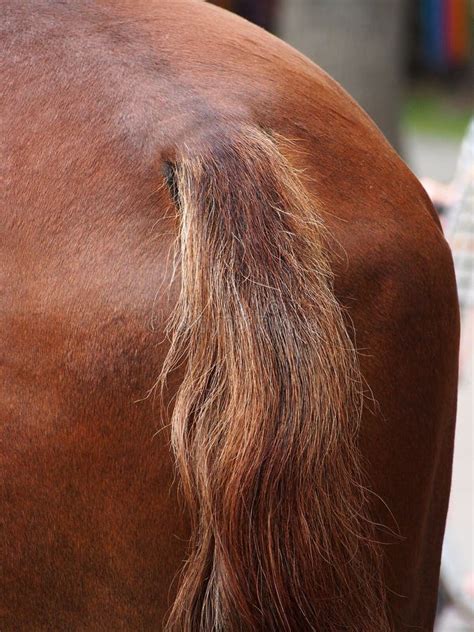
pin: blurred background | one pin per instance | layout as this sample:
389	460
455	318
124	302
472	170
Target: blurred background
409	64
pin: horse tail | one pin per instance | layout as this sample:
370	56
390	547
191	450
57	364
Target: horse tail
265	421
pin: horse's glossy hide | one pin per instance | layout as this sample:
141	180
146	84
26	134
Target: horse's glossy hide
96	95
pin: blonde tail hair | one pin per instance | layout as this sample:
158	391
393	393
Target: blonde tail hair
265	422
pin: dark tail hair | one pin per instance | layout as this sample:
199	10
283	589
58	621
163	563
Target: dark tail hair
266	419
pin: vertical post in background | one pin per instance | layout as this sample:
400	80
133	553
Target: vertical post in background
359	43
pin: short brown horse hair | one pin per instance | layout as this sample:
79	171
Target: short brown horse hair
266	419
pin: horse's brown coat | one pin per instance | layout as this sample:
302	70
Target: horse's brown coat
96	96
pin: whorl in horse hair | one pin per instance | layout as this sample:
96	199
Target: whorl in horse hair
265	422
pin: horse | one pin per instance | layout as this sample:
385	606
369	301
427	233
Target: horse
229	335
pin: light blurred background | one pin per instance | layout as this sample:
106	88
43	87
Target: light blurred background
409	64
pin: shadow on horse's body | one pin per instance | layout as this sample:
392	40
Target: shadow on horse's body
129	125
